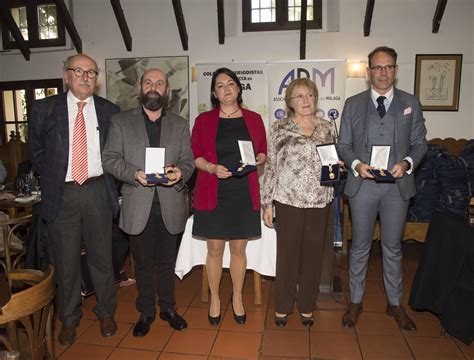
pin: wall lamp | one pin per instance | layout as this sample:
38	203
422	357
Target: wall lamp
356	70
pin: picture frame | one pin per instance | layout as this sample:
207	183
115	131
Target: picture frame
123	80
438	81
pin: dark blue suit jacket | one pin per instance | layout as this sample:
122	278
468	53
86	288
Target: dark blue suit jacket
48	138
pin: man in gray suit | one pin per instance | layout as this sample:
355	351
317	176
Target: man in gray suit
382	115
152	215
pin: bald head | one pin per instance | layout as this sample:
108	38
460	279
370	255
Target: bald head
155	72
80	75
78	57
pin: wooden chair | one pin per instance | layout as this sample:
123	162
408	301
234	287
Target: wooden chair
9	229
32	307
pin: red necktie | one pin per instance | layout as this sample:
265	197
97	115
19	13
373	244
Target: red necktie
79	147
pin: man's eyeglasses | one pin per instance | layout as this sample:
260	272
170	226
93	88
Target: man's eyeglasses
301	97
379	68
91	74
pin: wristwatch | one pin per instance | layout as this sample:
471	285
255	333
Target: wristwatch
408	164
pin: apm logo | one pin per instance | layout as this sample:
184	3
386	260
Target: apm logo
319	78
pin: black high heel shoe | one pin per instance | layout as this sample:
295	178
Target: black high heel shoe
213	320
239	319
281	320
307	321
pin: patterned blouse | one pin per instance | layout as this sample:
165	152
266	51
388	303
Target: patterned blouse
293	167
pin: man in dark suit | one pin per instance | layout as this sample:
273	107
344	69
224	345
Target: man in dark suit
152	215
382	115
66	134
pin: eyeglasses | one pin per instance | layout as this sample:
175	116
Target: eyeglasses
91	74
379	68
301	97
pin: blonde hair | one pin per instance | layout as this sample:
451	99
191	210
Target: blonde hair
301	82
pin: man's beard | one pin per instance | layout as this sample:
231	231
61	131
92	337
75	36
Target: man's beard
152	100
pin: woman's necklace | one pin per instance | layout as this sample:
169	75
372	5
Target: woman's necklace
230	114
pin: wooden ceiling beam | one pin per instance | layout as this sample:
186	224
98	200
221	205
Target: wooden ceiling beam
220	21
15	31
438	15
178	13
69	23
122	23
304	7
369	10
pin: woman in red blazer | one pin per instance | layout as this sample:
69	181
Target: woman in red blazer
226	207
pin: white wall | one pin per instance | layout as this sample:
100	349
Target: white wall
402	24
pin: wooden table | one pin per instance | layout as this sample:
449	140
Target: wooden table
12	207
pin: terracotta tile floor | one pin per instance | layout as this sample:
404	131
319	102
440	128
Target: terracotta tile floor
376	336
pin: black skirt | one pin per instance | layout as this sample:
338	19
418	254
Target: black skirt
234	217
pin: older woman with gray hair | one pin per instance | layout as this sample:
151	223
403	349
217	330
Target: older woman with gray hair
292	187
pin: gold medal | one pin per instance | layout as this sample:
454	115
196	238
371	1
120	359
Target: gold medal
170	173
332	176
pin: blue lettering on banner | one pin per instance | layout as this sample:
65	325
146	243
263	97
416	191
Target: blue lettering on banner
329	75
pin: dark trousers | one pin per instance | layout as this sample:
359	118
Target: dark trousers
301	236
120	246
154	252
85	217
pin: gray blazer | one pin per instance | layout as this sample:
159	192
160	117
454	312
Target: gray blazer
124	154
409	137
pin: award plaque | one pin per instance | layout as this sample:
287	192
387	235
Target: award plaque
330	171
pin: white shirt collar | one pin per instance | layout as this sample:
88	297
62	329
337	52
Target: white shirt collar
375	95
75	100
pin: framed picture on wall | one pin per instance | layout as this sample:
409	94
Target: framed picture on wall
123	80
438	81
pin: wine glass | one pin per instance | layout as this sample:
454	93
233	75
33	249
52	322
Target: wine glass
25	184
19	186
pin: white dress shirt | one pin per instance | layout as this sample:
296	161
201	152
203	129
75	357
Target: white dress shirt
94	161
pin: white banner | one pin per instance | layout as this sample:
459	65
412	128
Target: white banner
264	85
328	75
253	77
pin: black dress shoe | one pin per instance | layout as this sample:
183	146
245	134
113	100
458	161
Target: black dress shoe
307	321
67	335
173	318
281	320
239	319
142	327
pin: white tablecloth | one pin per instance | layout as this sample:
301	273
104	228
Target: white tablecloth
261	253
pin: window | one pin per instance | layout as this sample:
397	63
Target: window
269	15
38	21
16	100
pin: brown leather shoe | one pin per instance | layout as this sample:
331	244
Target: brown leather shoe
67	335
401	317
108	327
349	319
